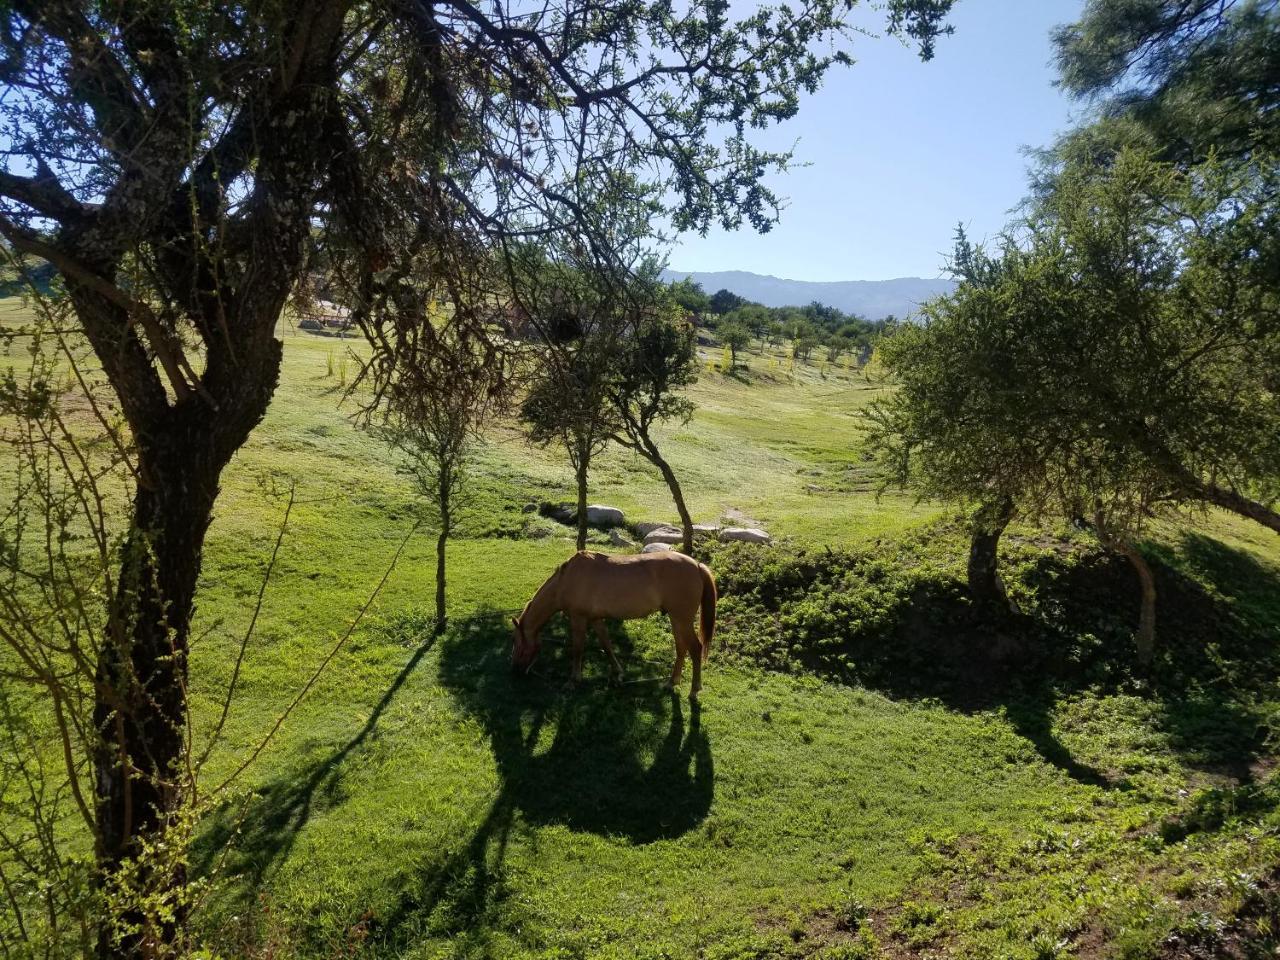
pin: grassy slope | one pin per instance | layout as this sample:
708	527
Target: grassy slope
422	802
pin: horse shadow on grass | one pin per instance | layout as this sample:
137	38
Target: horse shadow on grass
631	762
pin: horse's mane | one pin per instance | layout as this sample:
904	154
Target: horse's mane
545	584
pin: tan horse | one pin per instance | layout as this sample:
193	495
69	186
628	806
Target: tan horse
591	587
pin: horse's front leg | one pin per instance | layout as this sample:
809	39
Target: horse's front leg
578	632
615	668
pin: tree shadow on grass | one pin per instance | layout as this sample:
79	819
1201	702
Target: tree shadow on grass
857	617
1209	660
261	837
1215	652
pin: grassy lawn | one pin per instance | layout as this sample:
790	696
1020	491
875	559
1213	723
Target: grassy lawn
423	802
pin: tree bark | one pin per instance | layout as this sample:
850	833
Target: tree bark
140	708
989	523
140	705
1249	509
441	545
1146	635
581	471
1145	638
686	522
1209	492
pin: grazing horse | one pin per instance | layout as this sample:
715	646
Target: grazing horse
589	587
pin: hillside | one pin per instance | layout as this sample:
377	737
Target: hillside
840	787
877	770
873	299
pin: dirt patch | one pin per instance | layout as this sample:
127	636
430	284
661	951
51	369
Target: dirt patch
740	519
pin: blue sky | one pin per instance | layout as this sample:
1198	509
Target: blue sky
899	151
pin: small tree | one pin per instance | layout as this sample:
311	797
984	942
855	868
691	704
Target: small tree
656	361
580	311
725	301
735	335
755	318
837	345
442	394
804	338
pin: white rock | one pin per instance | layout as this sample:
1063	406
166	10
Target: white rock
656	548
705	529
618	540
648	526
602	516
744	534
664	535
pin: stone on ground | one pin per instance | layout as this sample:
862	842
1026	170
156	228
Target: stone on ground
664	535
559	512
656	548
599	515
744	535
646	527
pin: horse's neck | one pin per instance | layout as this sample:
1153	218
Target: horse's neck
543	606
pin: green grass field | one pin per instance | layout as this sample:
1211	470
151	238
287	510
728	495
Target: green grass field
423	802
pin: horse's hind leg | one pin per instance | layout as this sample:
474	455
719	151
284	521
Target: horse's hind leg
615	668
677	670
687	639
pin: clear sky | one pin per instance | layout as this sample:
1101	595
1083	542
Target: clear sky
899	151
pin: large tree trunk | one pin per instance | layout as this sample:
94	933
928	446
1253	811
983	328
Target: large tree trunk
989	523
140	706
140	709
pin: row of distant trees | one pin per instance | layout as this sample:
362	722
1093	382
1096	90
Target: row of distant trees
1114	356
737	322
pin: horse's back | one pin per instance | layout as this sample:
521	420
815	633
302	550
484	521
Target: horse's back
630	586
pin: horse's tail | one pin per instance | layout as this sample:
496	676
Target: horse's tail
708	608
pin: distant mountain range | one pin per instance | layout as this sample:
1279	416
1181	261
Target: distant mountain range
873	299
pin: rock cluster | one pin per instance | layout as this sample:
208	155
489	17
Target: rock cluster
656	536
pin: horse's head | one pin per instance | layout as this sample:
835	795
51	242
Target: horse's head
525	646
